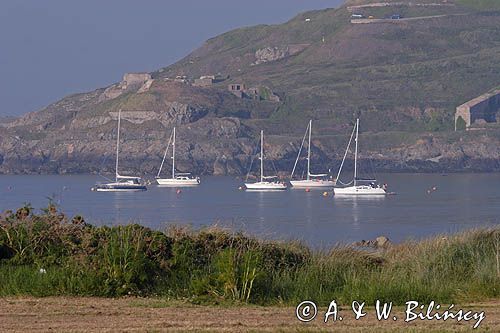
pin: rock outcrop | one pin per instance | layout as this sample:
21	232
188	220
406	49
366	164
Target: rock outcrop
380	242
269	54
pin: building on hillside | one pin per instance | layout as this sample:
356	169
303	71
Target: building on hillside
253	93
480	109
237	89
204	81
209	80
181	79
134	79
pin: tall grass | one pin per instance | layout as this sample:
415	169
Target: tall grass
48	254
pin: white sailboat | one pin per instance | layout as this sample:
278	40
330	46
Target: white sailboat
360	186
312	180
269	183
121	183
178	179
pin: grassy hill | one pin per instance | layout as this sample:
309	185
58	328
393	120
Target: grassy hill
404	78
404	75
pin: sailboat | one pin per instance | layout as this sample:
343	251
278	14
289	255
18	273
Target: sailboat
269	183
360	186
121	183
178	179
312	180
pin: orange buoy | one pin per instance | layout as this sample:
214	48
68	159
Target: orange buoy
325	194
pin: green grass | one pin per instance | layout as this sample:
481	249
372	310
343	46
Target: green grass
48	254
481	4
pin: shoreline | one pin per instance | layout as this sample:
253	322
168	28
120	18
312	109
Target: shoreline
318	220
50	254
152	175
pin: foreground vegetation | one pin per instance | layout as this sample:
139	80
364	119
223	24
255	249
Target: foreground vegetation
49	254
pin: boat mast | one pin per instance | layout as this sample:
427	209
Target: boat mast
117	145
309	151
298	154
173	156
346	151
261	156
165	154
356	153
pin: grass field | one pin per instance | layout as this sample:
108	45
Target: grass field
70	314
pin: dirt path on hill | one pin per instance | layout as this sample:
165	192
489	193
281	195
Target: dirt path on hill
66	314
401	20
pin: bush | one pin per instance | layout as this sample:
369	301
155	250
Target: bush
461	125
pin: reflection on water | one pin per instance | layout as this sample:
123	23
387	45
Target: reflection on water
358	205
424	205
308	208
355	213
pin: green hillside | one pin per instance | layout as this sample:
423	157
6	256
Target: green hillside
403	77
481	4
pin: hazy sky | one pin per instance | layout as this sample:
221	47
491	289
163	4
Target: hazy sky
51	48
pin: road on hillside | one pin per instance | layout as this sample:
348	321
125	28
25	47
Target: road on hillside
389	20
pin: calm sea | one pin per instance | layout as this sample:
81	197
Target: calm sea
460	201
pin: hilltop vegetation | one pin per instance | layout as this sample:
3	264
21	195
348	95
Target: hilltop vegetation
394	73
403	78
481	4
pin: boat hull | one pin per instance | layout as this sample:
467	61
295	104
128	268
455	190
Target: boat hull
360	190
177	182
265	186
119	188
312	183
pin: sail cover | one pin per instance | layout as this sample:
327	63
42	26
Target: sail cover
365	179
127	177
318	175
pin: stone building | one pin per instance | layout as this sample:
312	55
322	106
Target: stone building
480	109
134	79
204	81
253	93
181	79
237	89
131	81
